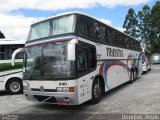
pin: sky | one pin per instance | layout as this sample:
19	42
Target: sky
16	16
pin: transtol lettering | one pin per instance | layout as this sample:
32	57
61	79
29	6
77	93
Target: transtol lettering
114	52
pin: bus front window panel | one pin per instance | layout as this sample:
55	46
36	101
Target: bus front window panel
55	63
63	25
32	62
40	30
48	62
55	26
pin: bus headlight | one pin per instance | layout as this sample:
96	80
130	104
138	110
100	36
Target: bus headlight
59	89
26	85
65	89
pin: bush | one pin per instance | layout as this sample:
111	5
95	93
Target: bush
8	66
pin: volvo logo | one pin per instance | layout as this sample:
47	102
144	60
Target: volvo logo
41	88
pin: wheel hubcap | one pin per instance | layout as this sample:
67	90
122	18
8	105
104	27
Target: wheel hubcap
15	86
135	75
131	76
97	91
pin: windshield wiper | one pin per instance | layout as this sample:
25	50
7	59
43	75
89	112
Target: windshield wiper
30	76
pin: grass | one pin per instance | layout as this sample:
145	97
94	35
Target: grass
8	66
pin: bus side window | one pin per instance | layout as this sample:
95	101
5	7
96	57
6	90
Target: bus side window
132	44
82	59
111	36
109	33
86	58
92	57
143	57
127	43
136	45
120	40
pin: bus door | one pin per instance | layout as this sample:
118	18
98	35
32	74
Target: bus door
86	65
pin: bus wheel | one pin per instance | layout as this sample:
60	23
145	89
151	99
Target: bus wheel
131	77
150	67
135	74
14	86
96	91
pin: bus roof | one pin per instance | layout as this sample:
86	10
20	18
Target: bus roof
11	42
80	13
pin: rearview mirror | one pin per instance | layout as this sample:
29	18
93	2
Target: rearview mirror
71	56
15	53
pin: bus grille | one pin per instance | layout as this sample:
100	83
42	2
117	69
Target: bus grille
45	90
45	99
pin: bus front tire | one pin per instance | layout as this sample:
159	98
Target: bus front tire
97	91
14	86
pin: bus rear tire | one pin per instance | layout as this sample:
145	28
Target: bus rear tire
149	68
14	86
135	74
131	77
97	91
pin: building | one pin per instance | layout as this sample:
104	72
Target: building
7	46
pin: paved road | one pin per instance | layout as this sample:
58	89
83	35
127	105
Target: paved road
141	97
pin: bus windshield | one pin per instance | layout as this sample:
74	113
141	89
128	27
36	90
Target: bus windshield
48	62
52	27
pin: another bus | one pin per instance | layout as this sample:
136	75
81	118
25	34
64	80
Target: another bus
7	46
156	58
73	58
11	81
11	77
146	61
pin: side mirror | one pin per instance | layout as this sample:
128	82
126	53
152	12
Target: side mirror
71	52
15	53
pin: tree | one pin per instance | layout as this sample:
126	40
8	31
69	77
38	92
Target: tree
1	35
131	23
155	31
145	26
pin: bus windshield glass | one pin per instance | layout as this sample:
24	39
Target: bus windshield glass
52	27
48	62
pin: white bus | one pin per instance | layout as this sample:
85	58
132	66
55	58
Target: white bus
146	61
73	58
10	77
11	81
7	46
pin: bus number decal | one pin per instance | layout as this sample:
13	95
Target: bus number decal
62	83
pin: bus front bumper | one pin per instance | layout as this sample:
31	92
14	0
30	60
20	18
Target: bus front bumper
144	67
62	98
2	85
